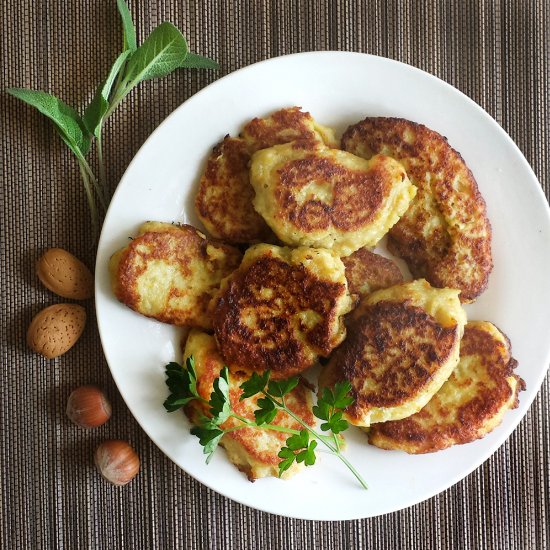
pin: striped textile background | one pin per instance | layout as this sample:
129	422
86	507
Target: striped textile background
497	52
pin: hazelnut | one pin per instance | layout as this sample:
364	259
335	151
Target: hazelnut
88	407
117	461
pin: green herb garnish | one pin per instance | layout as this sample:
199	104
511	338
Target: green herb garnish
162	52
300	445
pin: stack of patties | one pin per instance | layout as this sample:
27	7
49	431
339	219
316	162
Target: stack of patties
278	309
307	216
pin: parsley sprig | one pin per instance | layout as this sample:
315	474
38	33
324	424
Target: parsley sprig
301	444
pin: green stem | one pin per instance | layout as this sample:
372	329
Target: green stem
322	438
102	178
121	92
85	167
353	470
334	436
233	429
90	197
273	427
243	419
119	76
336	442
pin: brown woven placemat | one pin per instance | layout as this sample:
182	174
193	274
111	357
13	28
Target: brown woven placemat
51	497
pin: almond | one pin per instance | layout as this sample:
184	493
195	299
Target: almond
54	330
62	273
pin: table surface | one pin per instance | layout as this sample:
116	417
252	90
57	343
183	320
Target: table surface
497	53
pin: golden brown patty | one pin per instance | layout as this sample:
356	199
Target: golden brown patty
224	199
445	235
281	309
170	273
284	126
402	345
367	272
254	451
468	406
312	195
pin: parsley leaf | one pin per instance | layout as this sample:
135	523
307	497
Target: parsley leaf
342	399
255	384
288	457
307	456
298	448
266	411
220	403
335	424
182	384
299	441
322	409
279	388
209	438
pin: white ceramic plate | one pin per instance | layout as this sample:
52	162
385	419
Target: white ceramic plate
338	89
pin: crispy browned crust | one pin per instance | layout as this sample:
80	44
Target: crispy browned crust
282	126
180	245
445	235
391	354
251	440
357	195
275	342
467	407
367	272
224	200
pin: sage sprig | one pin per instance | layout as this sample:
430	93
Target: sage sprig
160	54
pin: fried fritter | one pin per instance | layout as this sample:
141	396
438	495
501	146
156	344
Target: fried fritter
367	272
311	195
281	309
403	343
253	450
470	404
445	235
284	126
224	198
170	273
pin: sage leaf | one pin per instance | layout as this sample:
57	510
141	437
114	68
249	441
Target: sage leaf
96	111
162	52
195	61
66	120
128	28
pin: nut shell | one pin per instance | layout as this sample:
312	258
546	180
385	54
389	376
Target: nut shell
88	407
54	330
65	275
116	461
